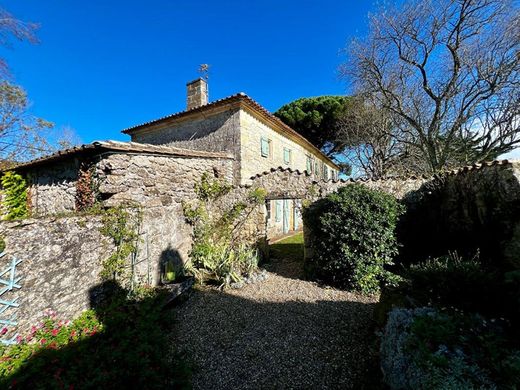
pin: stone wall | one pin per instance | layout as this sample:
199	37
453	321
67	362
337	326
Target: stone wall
52	188
475	209
159	184
61	261
214	132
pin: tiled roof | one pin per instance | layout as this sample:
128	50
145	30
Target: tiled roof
452	172
241	98
128	147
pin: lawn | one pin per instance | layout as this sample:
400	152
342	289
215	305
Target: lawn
290	248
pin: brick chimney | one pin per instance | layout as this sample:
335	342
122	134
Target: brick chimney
197	93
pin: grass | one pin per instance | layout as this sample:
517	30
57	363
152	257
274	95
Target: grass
290	248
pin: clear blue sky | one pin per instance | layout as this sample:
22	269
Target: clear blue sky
102	66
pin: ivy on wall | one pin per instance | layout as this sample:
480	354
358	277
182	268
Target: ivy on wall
15	196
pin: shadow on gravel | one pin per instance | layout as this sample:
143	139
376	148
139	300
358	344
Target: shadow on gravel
237	343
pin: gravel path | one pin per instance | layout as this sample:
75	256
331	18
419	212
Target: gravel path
280	333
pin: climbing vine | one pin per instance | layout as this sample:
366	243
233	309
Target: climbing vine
87	187
15	196
217	254
121	224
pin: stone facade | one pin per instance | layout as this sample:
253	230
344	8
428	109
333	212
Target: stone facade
237	125
61	261
53	188
252	161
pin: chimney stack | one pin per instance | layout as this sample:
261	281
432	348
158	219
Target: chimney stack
197	93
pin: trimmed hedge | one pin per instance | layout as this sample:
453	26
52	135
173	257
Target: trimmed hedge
352	233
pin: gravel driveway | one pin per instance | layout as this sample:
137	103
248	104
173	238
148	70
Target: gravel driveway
280	333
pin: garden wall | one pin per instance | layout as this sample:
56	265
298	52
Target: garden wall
61	261
472	209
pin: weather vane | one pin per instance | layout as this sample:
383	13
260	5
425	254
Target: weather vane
204	71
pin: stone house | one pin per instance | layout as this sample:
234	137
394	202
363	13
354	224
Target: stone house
258	140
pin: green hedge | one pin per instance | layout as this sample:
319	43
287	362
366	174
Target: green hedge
352	233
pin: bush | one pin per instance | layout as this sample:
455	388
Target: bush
451	281
429	349
352	236
222	263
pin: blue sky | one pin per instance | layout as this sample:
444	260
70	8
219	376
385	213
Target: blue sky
102	66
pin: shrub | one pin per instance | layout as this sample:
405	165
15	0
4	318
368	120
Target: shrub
15	196
451	281
222	263
352	235
429	349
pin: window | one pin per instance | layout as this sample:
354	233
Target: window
265	147
286	155
325	172
316	168
278	211
309	164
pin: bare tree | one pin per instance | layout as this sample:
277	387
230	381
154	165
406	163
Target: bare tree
22	136
447	73
10	28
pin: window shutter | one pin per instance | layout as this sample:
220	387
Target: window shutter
278	211
264	147
287	155
309	164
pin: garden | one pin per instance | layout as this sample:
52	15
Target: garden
446	322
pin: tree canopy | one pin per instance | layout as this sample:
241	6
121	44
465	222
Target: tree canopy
316	119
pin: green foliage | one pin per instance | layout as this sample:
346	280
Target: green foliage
123	343
121	224
352	232
433	349
15	195
221	262
169	271
217	254
315	118
210	189
452	281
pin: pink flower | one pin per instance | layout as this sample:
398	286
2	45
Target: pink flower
19	339
43	341
3	331
55	332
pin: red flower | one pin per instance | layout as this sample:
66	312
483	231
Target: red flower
55	332
4	331
43	341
